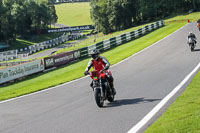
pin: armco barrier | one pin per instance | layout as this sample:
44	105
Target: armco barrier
121	39
13	54
8	55
46	44
11	73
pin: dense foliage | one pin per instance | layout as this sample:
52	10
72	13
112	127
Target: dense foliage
115	15
19	17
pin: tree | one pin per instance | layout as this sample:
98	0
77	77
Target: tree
19	17
114	15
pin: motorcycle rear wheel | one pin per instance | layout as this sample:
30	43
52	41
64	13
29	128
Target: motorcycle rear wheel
98	98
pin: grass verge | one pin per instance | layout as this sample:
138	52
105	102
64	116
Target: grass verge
69	15
59	76
183	116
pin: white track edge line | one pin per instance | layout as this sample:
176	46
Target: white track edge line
4	101
142	122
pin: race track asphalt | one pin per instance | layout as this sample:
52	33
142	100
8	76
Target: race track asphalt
141	82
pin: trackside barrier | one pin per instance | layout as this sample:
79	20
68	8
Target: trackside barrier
13	54
121	39
45	45
62	58
71	56
8	55
22	70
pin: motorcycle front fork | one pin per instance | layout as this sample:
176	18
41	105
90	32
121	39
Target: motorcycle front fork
101	88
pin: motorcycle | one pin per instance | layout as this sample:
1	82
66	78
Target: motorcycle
198	25
192	44
101	88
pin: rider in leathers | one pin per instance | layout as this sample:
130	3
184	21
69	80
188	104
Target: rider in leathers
100	64
192	36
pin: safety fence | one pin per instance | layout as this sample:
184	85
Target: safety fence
25	69
45	45
13	54
8	55
121	39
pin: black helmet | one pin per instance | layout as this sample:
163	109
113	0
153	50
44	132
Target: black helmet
95	54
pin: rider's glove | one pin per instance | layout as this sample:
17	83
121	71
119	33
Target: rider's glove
86	73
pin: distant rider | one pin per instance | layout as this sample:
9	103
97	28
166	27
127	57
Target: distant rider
192	36
100	64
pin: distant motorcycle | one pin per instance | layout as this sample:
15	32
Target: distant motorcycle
198	24
102	89
192	43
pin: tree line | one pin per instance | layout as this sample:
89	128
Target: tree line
19	17
115	15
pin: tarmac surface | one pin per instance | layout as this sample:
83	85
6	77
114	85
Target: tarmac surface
141	82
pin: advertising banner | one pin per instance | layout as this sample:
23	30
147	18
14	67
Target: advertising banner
22	70
65	58
69	29
49	62
64	29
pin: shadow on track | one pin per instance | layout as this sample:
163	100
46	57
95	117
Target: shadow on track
129	102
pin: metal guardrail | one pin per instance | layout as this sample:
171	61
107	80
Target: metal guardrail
120	39
13	54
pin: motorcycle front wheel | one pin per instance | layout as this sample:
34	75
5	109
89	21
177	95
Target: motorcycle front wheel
98	98
192	48
111	98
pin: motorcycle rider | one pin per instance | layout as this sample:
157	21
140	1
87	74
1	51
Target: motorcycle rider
100	64
192	36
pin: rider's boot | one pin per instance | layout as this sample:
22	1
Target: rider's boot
91	85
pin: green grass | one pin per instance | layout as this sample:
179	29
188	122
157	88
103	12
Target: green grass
183	116
183	18
76	70
74	14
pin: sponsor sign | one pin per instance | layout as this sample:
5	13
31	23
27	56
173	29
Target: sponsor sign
68	29
22	70
49	62
65	58
64	29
